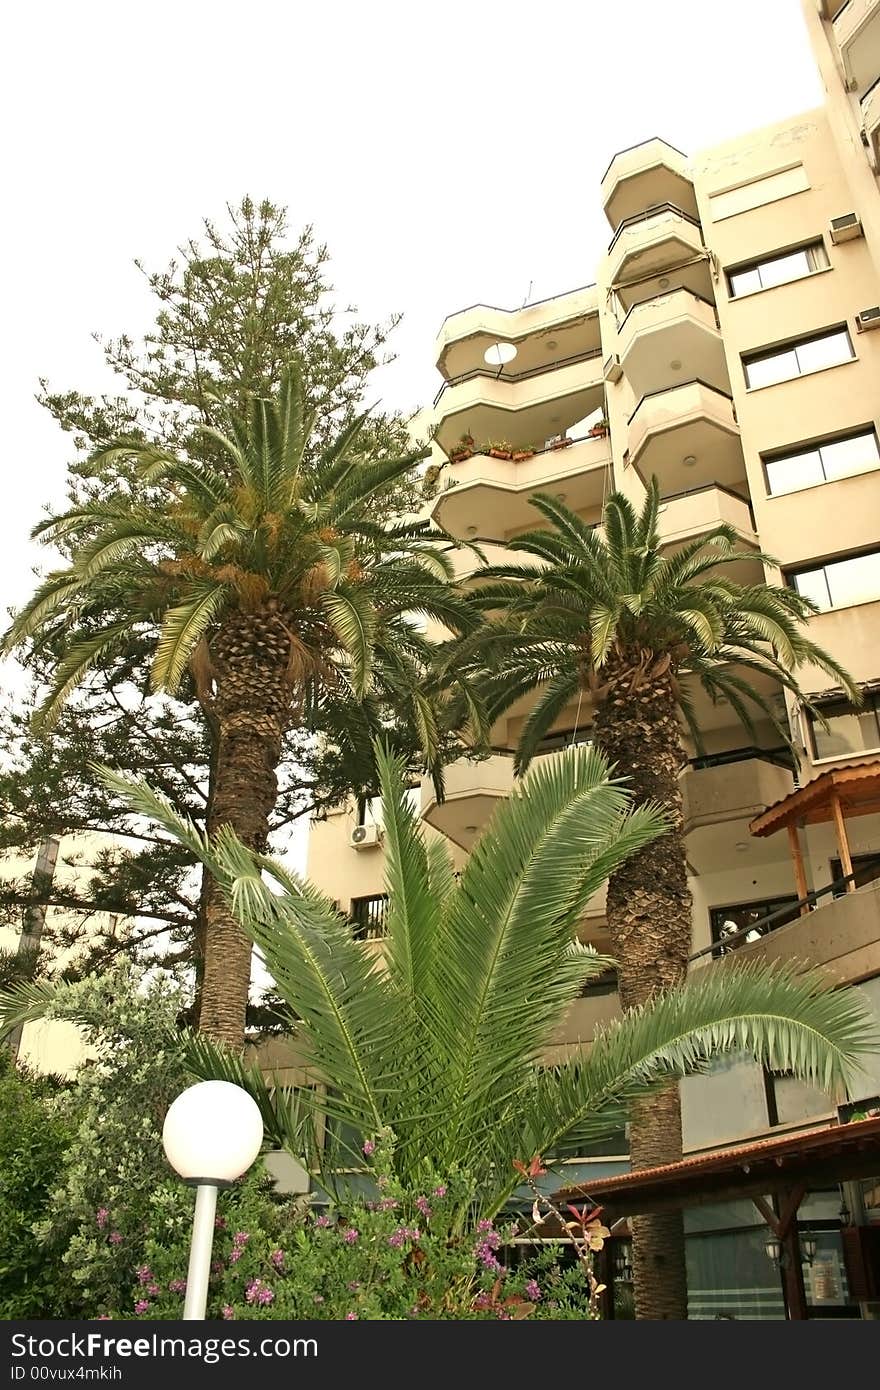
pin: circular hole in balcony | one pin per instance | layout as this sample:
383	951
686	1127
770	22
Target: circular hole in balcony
689	460
499	354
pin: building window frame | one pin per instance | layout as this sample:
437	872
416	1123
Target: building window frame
872	705
814	249
831	563
767	905
793	452
793	347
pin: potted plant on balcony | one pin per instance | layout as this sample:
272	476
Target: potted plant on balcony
526	452
501	450
464	449
600	429
562	442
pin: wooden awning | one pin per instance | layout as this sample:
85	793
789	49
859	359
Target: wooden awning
811	1158
855	790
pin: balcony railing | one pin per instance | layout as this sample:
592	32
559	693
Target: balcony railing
667	294
780	757
713	487
668	390
656	211
797	907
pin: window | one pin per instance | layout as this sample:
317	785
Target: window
370	812
368	916
866	869
564	738
777	270
726	921
809	355
840	583
849	731
823	463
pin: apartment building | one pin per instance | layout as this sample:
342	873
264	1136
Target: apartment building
727	348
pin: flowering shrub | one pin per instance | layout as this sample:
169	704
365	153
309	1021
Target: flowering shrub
393	1257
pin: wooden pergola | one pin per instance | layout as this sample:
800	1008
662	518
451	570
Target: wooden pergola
783	1169
835	796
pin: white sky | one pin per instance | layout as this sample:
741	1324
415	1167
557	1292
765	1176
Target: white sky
447	153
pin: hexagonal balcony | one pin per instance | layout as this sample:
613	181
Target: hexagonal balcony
644	175
671	338
545	332
688	437
489	497
658	250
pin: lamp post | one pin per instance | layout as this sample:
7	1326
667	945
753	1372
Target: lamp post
212	1134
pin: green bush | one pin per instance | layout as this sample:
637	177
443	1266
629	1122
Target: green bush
33	1142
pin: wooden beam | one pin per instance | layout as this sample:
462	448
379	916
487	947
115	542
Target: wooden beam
797	859
842	840
792	1268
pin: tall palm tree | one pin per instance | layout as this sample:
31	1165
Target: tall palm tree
442	1043
266	581
602	615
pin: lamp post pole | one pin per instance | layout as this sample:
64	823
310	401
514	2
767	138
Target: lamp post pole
199	1271
213	1132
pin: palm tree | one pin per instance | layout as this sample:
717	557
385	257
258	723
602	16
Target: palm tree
441	1042
603	616
266	581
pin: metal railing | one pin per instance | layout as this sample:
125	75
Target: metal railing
780	756
768	923
368	917
667	294
655	211
679	386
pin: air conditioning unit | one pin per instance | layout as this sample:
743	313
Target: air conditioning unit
611	369
365	837
868	318
845	228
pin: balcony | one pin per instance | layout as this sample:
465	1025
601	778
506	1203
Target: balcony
840	936
692	514
648	247
467	566
527	408
643	176
857	31
671	338
871	122
733	786
594	1010
489	497
473	790
687	437
564	326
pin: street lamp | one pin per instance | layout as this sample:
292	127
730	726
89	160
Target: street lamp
212	1134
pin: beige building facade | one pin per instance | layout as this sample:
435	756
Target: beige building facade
727	348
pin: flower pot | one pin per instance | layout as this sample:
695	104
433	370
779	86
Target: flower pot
459	455
499	454
522	454
562	443
598	431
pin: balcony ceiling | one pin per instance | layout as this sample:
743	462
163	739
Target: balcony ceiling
491	325
492	495
538	349
526	413
638	178
696	422
667	341
696	277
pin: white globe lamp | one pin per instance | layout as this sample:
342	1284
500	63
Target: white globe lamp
212	1134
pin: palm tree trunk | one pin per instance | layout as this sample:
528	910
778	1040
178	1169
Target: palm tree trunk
252	707
649	920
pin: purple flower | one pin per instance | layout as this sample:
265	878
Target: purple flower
217	1267
351	1235
351	1317
387	1204
533	1290
115	1238
483	1300
424	1208
484	1253
240	1238
144	1274
101	1217
104	1317
277	1258
369	1147
153	1289
228	1312
177	1286
322	1221
219	1223
142	1305
235	1254
258	1292
440	1190
484	1225
402	1234
354	1285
